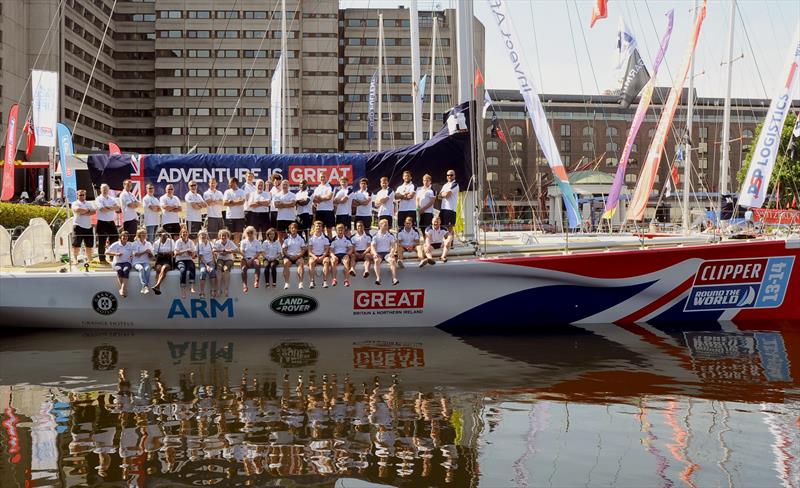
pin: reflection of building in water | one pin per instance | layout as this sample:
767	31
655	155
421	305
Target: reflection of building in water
312	429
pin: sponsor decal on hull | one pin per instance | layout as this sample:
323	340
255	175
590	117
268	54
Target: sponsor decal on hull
290	305
740	283
199	352
198	308
292	354
391	302
104	303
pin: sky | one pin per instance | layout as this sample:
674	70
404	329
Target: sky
567	57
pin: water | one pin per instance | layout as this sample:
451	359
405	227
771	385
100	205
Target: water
611	406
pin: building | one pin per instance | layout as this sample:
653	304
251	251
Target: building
591	130
175	76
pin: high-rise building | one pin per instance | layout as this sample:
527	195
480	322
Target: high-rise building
174	76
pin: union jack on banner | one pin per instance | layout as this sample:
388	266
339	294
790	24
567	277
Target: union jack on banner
137	175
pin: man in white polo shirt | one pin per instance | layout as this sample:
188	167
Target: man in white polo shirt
107	208
195	204
234	199
449	196
171	212
384	201
152	212
408	241
286	203
436	237
323	199
407	201
213	199
363	202
425	200
344	205
82	231
248	188
129	204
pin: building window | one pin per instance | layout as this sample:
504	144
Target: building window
565	145
588	131
631	178
255	14
611	131
170	14
492	161
611	146
198	14
588	146
198	34
747	134
491	176
227	34
491	146
702	163
227	53
515	130
703	132
227	14
516	146
611	162
566	130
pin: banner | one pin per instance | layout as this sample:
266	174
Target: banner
754	187
650	168
44	90
599	11
422	83
65	150
276	104
527	86
10	154
776	216
634	75
373	98
447	149
638	118
487	102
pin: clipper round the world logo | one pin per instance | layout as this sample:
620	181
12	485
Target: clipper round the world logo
104	303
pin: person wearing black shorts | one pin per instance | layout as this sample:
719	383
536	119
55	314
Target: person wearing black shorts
234	198
425	200
82	231
406	201
107	207
449	197
323	199
305	209
343	201
286	204
260	202
363	204
274	191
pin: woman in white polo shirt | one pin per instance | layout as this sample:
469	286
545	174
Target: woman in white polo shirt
122	252
250	248
206	264
163	248
224	252
184	260
382	246
142	256
318	249
271	250
294	247
362	243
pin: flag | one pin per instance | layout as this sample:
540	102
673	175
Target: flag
501	135
638	118
10	154
372	102
600	11
675	178
65	150
422	82
44	87
478	80
487	102
794	201
276	103
113	148
649	170
667	188
510	41
634	75
31	138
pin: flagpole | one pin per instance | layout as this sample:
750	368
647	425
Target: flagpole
687	160
433	73
380	82
726	114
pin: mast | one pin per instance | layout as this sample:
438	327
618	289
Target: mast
284	75
433	72
466	69
726	114
416	103
687	163
380	81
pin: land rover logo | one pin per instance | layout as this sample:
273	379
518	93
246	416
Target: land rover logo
104	303
294	354
293	305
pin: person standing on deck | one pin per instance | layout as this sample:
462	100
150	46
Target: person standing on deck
128	203
323	199
305	209
234	199
449	197
248	188
213	199
107	207
195	204
425	200
407	201
363	201
384	202
82	231
344	205
171	212
152	212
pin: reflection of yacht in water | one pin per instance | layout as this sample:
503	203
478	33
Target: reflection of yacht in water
389	407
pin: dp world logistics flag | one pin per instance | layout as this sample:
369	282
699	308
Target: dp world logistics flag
754	187
373	97
65	150
44	85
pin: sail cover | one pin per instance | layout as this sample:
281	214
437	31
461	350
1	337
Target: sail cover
448	149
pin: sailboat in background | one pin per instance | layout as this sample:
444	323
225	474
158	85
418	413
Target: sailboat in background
681	282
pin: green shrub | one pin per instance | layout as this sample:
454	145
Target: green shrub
17	214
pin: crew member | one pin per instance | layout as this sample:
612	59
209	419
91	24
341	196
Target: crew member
248	187
260	204
163	248
449	197
234	199
184	260
121	250
293	249
286	203
82	231
305	209
382	245
407	200
384	201
128	203
213	199
425	200
171	212
323	199
250	247
271	250
152	212
195	204
142	255
342	250
362	242
107	208
344	205
274	191
224	252
318	249
363	203
408	240
206	263
437	237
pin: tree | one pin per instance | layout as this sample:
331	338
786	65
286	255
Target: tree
787	166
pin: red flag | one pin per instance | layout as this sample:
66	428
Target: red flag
675	175
478	80
31	141
600	11
10	153
501	135
113	148
794	201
